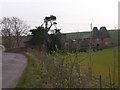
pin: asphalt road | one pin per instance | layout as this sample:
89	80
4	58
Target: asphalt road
13	66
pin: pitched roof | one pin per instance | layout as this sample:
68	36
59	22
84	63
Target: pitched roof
103	33
95	33
86	36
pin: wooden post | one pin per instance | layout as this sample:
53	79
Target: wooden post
110	77
101	83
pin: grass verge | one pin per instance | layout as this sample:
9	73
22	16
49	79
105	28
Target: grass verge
32	78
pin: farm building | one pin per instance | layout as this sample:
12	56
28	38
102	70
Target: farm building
98	38
105	37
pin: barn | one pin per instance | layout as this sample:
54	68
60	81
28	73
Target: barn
98	39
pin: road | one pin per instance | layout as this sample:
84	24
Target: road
13	66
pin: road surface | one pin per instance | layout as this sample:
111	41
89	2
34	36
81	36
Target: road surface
13	66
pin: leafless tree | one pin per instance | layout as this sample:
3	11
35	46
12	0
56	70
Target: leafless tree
15	28
5	24
19	28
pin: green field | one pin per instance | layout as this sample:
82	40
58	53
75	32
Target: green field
44	68
113	34
101	61
76	34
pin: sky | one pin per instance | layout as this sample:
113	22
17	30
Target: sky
72	15
119	15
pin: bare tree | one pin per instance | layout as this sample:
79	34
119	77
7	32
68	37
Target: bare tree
6	26
15	28
6	31
19	29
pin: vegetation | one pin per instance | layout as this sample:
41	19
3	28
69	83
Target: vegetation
113	34
76	34
70	70
33	77
38	37
53	72
101	61
42	40
12	29
61	70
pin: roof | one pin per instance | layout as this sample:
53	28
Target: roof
95	33
86	36
104	33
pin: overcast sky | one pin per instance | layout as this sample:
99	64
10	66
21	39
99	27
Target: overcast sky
72	15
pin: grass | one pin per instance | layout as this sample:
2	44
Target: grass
113	34
36	77
33	77
101	60
50	71
76	34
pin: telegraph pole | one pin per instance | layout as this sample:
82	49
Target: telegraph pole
90	53
91	26
115	43
90	37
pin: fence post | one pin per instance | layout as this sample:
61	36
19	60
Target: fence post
101	82
110	77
